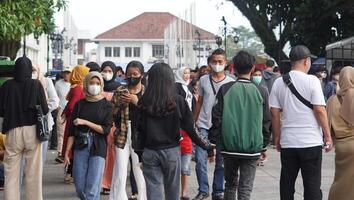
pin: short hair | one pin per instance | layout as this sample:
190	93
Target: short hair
93	66
209	59
243	62
218	51
276	69
119	68
270	63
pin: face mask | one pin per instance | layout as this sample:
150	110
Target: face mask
218	68
256	79
133	81
107	76
94	89
35	76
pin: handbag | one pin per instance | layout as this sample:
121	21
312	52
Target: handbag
81	140
41	125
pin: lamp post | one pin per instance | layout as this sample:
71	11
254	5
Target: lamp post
57	47
197	46
225	31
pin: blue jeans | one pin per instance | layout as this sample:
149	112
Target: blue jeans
87	171
2	177
201	169
162	173
186	164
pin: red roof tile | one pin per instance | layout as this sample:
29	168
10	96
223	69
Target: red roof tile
148	25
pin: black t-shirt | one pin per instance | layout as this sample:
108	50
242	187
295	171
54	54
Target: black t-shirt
100	113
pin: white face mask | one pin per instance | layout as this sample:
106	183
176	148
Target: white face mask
94	89
35	76
218	68
107	76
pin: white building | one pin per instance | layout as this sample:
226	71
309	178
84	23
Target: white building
37	51
143	38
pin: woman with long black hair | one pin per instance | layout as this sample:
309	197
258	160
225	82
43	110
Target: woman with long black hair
126	112
162	114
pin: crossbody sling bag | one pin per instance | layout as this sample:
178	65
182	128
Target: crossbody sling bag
289	83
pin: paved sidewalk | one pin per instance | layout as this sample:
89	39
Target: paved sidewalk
265	187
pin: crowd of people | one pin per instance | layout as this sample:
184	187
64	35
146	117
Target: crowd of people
159	120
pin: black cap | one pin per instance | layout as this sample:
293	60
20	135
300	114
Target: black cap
300	52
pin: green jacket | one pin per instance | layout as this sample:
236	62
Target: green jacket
241	119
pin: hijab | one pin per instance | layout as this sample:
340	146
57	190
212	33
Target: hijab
78	74
89	96
179	76
23	69
110	85
30	89
346	94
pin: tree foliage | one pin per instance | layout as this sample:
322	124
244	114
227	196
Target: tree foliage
19	18
247	40
310	22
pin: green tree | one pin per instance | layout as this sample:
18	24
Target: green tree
247	40
19	18
310	22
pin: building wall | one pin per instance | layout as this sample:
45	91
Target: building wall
145	51
36	51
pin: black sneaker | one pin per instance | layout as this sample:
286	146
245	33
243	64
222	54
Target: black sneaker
201	196
185	198
59	159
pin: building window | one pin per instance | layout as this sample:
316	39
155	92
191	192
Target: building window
128	52
157	50
116	51
136	51
108	51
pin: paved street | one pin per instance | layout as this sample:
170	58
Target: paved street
265	188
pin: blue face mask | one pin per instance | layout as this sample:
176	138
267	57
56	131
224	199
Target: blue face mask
256	79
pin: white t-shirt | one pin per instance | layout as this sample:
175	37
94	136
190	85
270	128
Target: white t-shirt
299	127
62	87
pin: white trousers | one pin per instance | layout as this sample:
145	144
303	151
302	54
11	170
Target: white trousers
120	172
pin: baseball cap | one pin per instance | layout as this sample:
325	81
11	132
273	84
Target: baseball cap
300	52
66	69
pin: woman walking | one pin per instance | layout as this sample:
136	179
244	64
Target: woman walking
340	114
186	91
163	114
75	94
108	71
18	100
125	102
91	122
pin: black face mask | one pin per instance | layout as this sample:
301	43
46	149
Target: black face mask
133	81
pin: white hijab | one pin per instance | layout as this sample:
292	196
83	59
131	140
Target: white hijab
179	76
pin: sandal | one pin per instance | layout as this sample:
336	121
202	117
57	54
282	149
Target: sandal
105	191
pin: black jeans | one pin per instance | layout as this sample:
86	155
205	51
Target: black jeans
309	160
239	177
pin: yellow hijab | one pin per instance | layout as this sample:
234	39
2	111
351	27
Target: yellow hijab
89	96
346	93
78	74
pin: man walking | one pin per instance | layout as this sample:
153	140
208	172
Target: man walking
208	87
62	87
298	97
241	121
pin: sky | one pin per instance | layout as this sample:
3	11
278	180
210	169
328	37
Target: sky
98	16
